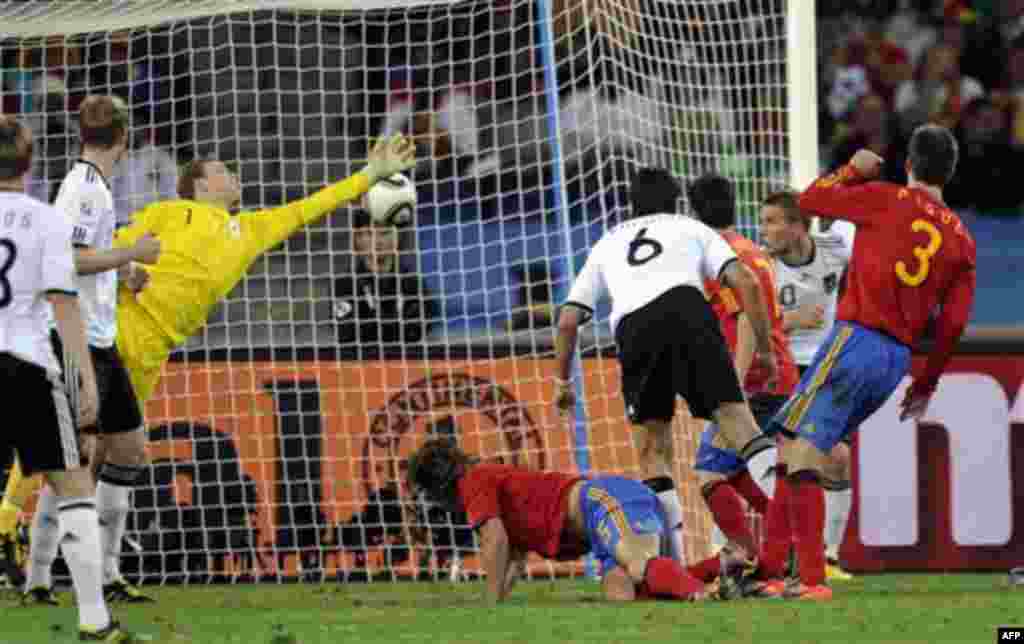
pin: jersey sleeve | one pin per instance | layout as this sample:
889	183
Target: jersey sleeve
952	320
842	195
717	254
265	229
58	258
589	288
479	491
84	209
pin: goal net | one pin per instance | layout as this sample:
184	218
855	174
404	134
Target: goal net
278	436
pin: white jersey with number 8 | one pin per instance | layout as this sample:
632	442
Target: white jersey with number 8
815	283
638	260
35	259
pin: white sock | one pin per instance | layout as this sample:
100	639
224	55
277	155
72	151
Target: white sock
674	518
759	464
112	506
80	531
837	511
44	540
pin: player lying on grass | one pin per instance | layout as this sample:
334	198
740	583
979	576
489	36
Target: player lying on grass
205	252
558	516
913	259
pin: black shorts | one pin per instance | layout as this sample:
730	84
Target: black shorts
765	406
45	440
119	407
674	345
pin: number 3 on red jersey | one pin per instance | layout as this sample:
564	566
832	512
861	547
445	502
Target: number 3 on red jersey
923	254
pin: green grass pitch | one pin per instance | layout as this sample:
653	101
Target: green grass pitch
878	609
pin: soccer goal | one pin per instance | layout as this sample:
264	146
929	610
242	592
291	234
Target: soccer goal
277	443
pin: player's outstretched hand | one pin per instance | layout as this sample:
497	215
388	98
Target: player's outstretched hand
565	397
147	249
389	156
867	163
914	404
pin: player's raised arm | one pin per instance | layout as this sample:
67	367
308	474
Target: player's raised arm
270	227
844	194
956	311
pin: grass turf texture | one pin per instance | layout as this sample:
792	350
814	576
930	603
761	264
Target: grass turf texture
891	608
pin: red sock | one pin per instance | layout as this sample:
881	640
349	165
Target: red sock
727	510
665	578
778	536
751	491
807	514
707	570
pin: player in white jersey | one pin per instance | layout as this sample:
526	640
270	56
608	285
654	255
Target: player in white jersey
119	453
37	274
808	270
652	268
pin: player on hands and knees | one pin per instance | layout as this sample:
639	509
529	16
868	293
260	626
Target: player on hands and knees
809	268
653	268
85	199
912	257
725	479
557	516
38	281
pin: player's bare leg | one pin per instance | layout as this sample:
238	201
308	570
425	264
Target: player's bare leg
656	450
838	500
122	456
807	515
79	530
638	555
740	430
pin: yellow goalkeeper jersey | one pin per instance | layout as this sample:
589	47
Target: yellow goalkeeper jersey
205	251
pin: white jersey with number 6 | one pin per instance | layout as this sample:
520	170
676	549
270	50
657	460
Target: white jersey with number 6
815	283
638	260
35	259
85	198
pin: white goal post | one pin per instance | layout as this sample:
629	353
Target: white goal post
277	442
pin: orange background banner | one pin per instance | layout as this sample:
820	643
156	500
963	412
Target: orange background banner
372	415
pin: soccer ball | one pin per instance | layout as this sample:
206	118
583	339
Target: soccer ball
392	201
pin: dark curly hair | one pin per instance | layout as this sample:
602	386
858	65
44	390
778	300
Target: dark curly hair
435	469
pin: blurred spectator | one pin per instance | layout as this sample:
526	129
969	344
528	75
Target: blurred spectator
868	62
938	92
381	301
987	176
145	174
875	128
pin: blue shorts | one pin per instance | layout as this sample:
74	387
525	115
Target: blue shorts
613	506
852	375
714	456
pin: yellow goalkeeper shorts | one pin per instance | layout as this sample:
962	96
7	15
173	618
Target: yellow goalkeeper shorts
143	347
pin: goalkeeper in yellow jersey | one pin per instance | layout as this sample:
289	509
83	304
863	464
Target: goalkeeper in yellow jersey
205	252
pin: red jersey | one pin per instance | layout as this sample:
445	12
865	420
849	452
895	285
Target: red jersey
727	305
531	504
912	256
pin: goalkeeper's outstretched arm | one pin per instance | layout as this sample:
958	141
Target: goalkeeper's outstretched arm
272	226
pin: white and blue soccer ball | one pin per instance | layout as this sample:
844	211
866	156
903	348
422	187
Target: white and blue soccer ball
392	201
